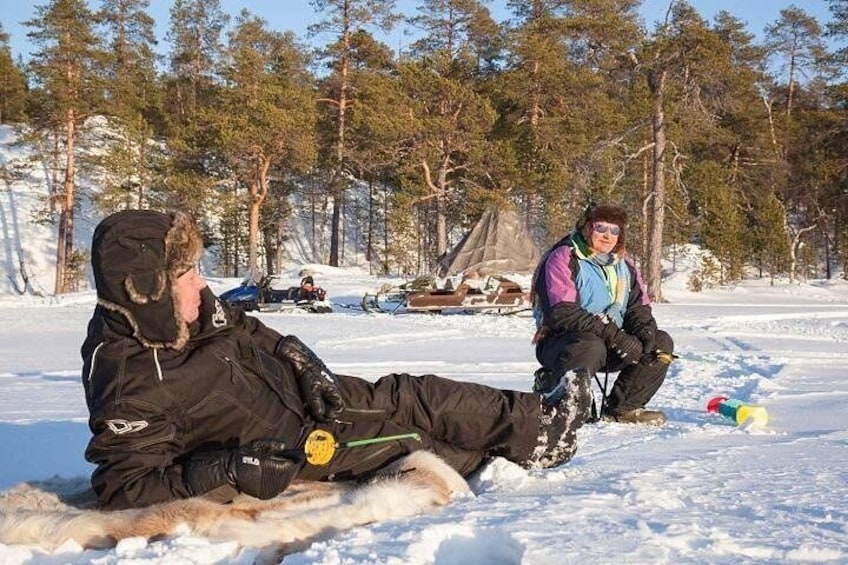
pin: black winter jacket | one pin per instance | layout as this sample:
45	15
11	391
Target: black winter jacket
152	408
148	407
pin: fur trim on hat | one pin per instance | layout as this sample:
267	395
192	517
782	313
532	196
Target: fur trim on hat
137	256
155	296
183	243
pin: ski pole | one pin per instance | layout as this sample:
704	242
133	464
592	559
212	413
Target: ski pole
321	446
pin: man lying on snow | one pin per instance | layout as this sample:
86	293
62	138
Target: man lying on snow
188	398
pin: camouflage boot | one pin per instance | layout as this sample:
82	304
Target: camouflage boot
565	407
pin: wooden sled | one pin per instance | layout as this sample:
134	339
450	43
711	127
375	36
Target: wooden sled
498	294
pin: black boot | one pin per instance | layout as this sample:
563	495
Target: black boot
545	380
564	409
552	385
638	416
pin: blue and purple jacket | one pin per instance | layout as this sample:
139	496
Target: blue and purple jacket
574	291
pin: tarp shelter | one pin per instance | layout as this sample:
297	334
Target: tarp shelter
498	243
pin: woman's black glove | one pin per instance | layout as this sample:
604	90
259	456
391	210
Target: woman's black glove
647	335
620	342
317	383
627	347
262	469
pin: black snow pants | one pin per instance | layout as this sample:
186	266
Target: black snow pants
463	423
635	385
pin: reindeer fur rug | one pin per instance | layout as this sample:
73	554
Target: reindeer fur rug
49	513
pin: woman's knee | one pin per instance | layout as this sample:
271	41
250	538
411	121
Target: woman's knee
573	351
664	342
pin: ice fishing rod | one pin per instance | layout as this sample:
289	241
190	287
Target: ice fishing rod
321	446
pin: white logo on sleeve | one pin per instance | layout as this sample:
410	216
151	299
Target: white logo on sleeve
121	427
219	318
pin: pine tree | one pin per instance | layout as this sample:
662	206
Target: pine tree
379	128
452	119
264	120
132	102
701	84
796	41
195	35
837	29
769	240
562	106
723	230
191	86
720	125
13	86
66	67
344	19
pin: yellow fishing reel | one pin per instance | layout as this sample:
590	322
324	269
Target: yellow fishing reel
320	447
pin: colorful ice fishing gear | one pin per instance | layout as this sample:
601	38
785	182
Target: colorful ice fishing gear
738	411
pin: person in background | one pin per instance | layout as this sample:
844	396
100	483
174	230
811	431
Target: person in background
593	314
308	290
189	398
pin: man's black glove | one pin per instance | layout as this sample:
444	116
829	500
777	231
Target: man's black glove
317	383
262	469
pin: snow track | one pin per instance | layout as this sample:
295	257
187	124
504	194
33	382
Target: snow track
697	490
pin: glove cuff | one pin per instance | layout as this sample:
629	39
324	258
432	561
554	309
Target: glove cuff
204	472
265	477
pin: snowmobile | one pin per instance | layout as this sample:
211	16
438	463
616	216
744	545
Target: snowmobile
262	296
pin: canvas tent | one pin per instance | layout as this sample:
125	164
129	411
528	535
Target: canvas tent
498	243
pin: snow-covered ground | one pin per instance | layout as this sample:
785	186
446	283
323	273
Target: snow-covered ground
699	489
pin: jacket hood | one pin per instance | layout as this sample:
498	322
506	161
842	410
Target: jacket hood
137	256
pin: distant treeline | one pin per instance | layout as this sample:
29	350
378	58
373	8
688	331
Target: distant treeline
702	133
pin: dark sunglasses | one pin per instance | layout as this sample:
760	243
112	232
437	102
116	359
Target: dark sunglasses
604	228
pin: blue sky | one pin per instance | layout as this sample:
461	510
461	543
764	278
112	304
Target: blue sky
297	15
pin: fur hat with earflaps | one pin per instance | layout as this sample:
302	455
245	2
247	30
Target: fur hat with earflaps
137	256
607	213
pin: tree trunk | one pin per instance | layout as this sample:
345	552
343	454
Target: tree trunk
656	83
386	230
54	171
65	245
258	192
441	213
144	171
338	177
281	230
646	199
335	229
791	94
793	252
369	244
